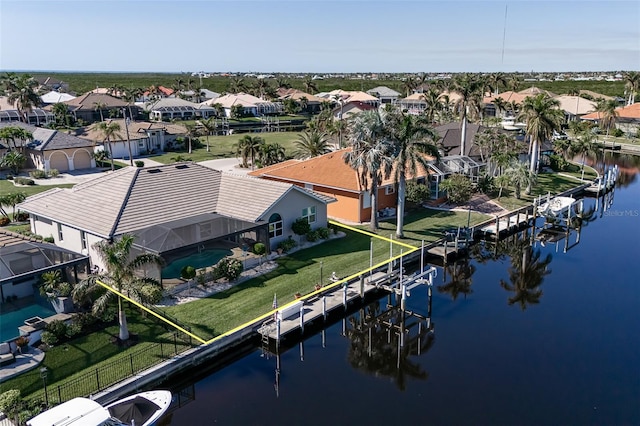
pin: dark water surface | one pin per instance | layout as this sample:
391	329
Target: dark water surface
555	342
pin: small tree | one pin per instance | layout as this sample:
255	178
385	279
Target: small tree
260	250
417	193
458	187
11	404
237	111
14	161
301	226
188	273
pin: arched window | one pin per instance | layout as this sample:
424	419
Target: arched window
275	225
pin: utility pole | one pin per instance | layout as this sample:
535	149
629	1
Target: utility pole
126	130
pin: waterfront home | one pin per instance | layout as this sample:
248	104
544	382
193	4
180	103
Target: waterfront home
172	210
54	97
384	94
92	107
329	174
167	109
37	116
628	119
252	105
309	103
575	107
54	149
145	137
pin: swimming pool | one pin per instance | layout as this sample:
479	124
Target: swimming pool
203	259
10	321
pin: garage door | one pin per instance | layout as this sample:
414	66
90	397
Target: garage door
58	161
81	160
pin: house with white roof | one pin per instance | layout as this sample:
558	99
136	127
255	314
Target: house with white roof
173	210
54	97
253	106
167	109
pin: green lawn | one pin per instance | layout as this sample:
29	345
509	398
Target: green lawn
552	183
7	187
223	146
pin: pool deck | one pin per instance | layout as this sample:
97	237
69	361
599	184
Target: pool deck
24	362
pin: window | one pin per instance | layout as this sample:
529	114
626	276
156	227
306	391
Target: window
309	213
275	225
388	190
83	238
60	237
366	200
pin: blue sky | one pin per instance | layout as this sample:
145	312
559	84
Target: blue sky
319	36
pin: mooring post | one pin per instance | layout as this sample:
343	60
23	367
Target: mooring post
422	256
302	318
324	338
362	286
344	296
302	350
497	227
324	307
403	301
445	250
371	257
390	254
278	332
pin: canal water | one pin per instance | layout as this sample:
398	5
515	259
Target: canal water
522	334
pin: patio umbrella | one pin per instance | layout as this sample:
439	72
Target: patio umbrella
137	410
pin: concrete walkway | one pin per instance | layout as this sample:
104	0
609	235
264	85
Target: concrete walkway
24	362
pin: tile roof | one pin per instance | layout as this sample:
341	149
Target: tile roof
230	99
383	91
630	112
47	139
451	134
296	94
87	102
575	104
54	97
508	96
533	91
596	95
134	198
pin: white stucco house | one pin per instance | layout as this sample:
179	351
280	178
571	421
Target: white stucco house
173	210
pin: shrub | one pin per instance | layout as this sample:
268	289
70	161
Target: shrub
458	187
48	338
301	226
73	329
323	232
229	268
9	177
259	249
417	192
49	239
617	133
312	236
11	403
558	163
188	272
287	244
24	181
139	163
152	293
53	173
485	184
57	328
21	216
4	221
38	174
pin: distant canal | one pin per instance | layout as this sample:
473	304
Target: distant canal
523	335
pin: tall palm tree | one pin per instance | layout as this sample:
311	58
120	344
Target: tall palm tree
99	106
309	85
632	84
584	145
60	111
470	90
10	134
109	130
370	155
271	153
237	85
514	82
520	177
542	116
607	113
121	276
282	83
249	147
193	131
496	80
413	139
526	274
433	106
21	91
410	84
311	143
209	125
500	105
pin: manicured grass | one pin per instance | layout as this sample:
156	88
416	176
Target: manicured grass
552	183
7	187
223	146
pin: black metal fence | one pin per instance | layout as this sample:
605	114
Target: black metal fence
105	375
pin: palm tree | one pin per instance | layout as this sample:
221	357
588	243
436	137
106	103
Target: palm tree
607	113
309	86
412	138
410	84
433	103
370	155
496	80
121	275
584	145
470	101
514	82
249	147
237	85
99	106
311	143
209	125
632	84
9	134
193	131
21	91
271	153
61	113
520	177
109	130
500	105
282	83
542	116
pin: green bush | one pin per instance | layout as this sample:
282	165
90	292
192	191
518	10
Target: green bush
312	236
323	232
417	193
49	239
617	133
152	293
21	216
558	163
485	184
301	226
48	338
38	174
458	187
259	249
139	163
53	173
188	272
11	403
229	268
73	329
24	181
57	328
287	244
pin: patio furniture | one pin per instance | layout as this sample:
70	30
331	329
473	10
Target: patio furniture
6	354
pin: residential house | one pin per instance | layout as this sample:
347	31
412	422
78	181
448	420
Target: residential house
575	107
145	137
53	149
37	116
313	104
160	92
384	94
451	135
54	97
172	210
167	109
253	106
92	107
51	83
628	119
348	109
328	174
199	95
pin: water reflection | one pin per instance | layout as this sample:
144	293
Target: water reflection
382	342
459	280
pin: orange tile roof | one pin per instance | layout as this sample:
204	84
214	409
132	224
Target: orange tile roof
328	170
630	112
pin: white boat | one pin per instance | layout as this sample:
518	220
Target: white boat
509	123
142	409
556	207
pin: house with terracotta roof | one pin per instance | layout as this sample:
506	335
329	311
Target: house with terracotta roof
328	174
313	103
145	137
85	107
174	210
344	111
53	149
628	119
